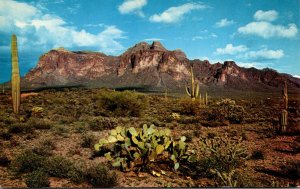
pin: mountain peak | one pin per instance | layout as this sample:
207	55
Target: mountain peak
61	49
138	47
156	45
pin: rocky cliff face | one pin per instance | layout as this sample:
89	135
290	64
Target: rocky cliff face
145	64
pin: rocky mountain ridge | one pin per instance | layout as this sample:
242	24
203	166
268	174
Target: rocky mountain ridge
147	65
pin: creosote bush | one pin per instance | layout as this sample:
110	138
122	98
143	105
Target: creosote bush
96	174
100	176
27	161
188	107
227	109
37	179
122	103
58	166
88	140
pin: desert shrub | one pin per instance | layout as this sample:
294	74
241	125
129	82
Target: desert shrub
98	175
220	157
123	103
4	161
44	147
257	154
37	179
79	173
228	153
228	109
27	161
60	129
102	123
39	123
88	140
131	149
58	166
189	107
4	134
80	127
20	128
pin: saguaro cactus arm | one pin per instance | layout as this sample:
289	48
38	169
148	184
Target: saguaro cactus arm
193	90
15	80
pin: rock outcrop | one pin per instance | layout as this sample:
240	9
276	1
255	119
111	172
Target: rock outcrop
146	65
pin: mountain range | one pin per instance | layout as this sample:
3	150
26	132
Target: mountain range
150	66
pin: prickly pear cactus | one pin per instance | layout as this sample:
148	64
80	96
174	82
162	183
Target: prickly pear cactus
133	149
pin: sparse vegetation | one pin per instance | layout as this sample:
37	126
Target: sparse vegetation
37	179
58	141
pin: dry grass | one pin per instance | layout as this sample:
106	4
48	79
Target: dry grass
71	121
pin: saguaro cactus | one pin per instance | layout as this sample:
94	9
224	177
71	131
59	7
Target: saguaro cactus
284	113
192	91
15	77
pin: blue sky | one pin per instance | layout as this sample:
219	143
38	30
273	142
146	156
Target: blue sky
258	33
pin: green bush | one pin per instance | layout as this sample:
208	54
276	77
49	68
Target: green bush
4	161
4	134
27	161
37	179
38	123
88	140
102	123
20	128
98	175
58	166
229	110
189	107
220	157
122	103
224	152
44	147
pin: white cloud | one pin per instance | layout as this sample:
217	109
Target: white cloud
213	35
268	30
257	65
36	29
153	39
297	76
17	10
263	28
175	14
199	37
264	54
132	6
270	15
230	49
224	22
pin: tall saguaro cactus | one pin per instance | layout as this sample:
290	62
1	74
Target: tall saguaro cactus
193	91
284	112
15	77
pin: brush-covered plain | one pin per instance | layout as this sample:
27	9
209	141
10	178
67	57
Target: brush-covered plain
234	141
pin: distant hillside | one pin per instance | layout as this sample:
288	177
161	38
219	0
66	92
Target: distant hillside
147	65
